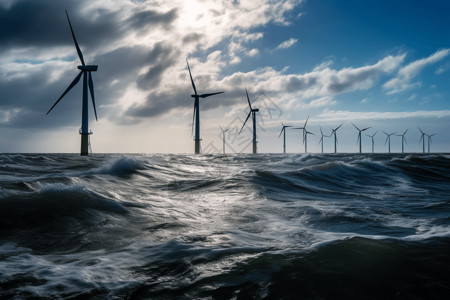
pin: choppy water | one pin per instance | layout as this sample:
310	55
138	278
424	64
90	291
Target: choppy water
261	226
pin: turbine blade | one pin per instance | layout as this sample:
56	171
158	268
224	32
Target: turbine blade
405	131
321	133
339	127
306	121
386	139
365	128
404	140
281	132
359	137
80	55
207	95
248	116
420	130
355	126
192	80
248	99
91	89
74	82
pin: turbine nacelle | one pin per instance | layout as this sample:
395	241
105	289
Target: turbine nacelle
88	68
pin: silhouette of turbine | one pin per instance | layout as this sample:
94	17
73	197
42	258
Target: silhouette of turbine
321	137
283	130
85	70
403	139
253	112
223	137
359	135
388	139
373	142
333	131
196	114
422	139
429	140
305	133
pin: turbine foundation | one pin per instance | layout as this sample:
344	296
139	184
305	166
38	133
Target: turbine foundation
85	143
197	146
254	148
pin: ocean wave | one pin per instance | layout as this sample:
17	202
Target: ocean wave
120	166
52	201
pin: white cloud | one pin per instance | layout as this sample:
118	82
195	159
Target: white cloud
343	115
286	44
404	76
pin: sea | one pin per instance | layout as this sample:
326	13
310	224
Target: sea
225	226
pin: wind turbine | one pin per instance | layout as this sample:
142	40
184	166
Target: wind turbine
85	71
321	137
429	140
403	138
359	135
333	131
388	138
253	112
305	133
422	139
373	142
196	114
283	130
223	137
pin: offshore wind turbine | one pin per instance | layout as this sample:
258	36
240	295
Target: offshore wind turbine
283	130
388	139
321	137
333	131
85	71
403	139
359	135
422	138
196	114
223	137
253	112
429	140
373	142
304	133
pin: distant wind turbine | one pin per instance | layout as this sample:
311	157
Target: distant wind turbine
196	114
429	141
373	142
359	135
403	139
422	138
304	134
388	139
283	130
223	137
85	70
333	131
253	112
321	137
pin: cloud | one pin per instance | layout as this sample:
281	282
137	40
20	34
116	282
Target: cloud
344	115
286	44
404	76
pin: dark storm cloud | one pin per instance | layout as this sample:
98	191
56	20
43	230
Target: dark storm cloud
145	19
160	58
295	84
192	37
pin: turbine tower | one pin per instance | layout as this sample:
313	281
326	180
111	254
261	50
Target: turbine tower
253	112
223	137
422	138
359	135
283	130
403	139
304	133
321	137
373	142
196	114
429	140
85	71
333	131
388	139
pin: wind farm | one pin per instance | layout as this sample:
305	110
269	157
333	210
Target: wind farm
192	189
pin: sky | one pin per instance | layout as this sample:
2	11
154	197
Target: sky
375	63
